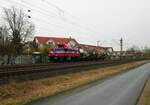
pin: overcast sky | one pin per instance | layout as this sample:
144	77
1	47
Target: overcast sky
90	20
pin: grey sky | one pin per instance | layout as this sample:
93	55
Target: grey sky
91	20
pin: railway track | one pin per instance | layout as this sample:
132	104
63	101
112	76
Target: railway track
24	72
15	70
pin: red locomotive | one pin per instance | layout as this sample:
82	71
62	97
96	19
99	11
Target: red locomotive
63	53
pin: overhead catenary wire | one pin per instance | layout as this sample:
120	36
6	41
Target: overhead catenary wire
58	26
74	17
45	13
47	29
66	12
32	7
64	19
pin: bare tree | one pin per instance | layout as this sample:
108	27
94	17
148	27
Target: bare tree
135	51
19	28
146	51
5	43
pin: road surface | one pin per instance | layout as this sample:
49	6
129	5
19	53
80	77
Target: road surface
123	89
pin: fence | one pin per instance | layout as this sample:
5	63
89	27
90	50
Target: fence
21	59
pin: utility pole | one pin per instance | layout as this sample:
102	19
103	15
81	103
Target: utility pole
121	48
98	43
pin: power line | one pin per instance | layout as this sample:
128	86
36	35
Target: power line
45	13
60	27
29	6
59	9
42	21
68	14
39	10
47	22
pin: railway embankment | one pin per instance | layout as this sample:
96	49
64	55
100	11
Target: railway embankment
15	93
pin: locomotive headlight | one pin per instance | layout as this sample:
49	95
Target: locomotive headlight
51	52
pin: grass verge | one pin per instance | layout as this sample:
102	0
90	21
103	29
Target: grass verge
21	93
145	97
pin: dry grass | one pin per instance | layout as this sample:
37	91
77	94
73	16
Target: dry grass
145	97
20	93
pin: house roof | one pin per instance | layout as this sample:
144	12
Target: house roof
43	40
89	46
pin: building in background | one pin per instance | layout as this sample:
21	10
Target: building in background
53	42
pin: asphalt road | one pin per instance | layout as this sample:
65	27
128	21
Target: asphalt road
123	89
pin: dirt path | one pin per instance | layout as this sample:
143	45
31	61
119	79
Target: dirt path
145	97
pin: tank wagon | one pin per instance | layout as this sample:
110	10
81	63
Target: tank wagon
90	52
